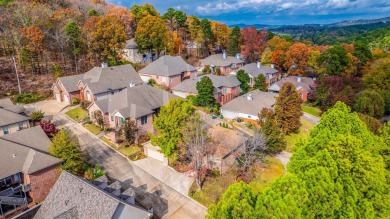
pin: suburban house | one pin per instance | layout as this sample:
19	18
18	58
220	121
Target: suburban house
27	170
11	122
227	145
74	197
255	69
131	53
225	63
247	107
168	71
96	84
139	103
226	88
303	86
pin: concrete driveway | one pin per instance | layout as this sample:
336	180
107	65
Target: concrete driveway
166	174
49	107
166	201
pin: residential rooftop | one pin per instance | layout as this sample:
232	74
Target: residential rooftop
219	60
251	103
74	197
299	82
189	85
167	66
9	117
135	101
255	69
25	151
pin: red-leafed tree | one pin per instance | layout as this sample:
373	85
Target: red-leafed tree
253	43
329	89
49	128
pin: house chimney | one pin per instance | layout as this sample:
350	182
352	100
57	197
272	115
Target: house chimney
238	56
249	97
224	54
299	79
272	65
258	64
104	65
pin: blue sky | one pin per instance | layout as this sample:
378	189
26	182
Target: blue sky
273	11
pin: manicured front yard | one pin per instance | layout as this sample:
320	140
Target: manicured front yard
77	114
302	134
94	129
125	150
311	110
215	186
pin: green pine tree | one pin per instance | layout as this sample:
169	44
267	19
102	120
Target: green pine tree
243	77
205	90
260	83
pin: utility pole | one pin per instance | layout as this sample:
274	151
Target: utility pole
17	75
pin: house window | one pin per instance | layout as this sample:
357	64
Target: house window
249	116
112	92
144	120
20	126
123	120
5	130
233	65
171	79
164	79
224	90
112	118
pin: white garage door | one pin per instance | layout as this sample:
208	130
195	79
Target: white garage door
229	114
179	94
155	154
145	78
58	97
66	98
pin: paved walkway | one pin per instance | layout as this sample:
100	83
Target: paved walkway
166	174
284	158
49	107
311	118
150	191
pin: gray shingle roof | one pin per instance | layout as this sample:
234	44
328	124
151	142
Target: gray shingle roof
259	101
218	60
70	82
25	151
189	85
306	83
135	101
8	117
100	80
7	104
77	198
254	71
167	66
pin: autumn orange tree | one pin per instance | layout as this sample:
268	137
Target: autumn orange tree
279	47
108	39
221	33
125	16
33	41
151	34
288	109
296	59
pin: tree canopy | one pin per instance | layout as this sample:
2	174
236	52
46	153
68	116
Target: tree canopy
244	78
205	90
169	124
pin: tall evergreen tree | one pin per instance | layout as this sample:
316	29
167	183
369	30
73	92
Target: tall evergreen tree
271	129
260	83
237	202
243	77
288	109
205	90
234	41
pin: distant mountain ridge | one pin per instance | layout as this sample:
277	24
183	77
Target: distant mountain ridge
337	24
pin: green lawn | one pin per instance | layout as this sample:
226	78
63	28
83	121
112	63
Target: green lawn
311	110
77	114
215	186
125	150
303	133
92	128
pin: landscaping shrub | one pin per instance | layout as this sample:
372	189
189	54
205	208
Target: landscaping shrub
84	104
28	98
36	116
152	81
75	101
